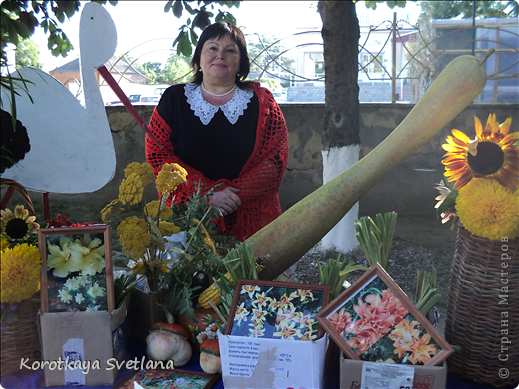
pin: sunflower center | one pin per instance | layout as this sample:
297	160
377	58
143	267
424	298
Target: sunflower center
16	228
489	159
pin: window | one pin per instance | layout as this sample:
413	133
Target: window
373	63
318	68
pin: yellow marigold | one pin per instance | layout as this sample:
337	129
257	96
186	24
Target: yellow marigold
20	273
131	189
106	212
152	209
168	229
144	171
4	243
133	237
488	209
170	177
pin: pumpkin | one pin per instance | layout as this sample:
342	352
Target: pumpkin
304	224
168	341
210	356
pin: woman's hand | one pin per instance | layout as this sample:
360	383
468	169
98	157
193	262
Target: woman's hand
226	200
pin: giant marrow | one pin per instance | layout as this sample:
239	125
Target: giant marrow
303	225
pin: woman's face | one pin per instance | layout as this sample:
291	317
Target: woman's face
220	60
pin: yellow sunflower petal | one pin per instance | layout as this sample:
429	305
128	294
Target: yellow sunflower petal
478	126
463	180
452	148
505	126
461	136
490	123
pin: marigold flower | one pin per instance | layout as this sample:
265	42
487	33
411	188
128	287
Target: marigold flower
144	171
131	189
4	243
488	209
170	177
20	273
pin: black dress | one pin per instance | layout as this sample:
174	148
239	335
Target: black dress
219	149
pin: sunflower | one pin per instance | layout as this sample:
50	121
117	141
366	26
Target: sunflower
18	227
20	273
488	209
492	154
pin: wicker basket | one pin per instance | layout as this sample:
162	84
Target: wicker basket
481	316
22	192
21	338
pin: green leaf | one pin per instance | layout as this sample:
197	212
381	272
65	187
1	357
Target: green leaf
202	20
185	46
449	202
177	8
194	37
168	6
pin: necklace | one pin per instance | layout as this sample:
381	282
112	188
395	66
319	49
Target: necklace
212	94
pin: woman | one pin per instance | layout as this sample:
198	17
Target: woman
223	130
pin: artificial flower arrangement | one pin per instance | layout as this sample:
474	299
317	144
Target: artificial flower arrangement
482	185
21	262
167	246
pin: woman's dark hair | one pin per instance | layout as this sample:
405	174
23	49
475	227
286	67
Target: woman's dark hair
218	30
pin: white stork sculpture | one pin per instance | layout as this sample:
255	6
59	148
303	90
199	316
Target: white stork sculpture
72	150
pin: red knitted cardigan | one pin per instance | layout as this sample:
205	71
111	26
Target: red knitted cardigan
260	177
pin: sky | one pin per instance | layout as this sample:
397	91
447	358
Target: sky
144	29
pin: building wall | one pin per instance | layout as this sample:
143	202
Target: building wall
407	190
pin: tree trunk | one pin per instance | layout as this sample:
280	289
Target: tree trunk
341	140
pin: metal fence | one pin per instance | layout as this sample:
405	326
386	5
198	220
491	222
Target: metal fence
416	56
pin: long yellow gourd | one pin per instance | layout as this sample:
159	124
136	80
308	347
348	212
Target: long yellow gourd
303	225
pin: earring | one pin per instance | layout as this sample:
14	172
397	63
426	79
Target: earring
200	70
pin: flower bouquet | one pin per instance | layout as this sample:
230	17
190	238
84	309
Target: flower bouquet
170	248
20	284
481	187
481	190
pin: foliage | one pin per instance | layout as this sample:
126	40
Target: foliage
196	217
20	19
176	70
202	17
375	238
426	295
334	272
464	8
123	286
27	53
240	263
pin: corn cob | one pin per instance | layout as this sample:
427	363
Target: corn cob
212	294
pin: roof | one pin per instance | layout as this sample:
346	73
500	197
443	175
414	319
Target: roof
121	66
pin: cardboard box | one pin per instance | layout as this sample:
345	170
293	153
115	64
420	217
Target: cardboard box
425	377
81	348
271	363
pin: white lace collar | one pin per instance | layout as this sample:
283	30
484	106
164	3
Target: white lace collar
205	111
